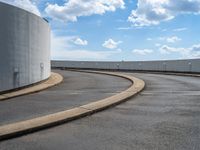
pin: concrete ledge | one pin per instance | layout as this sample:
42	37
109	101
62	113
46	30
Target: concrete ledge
53	80
28	126
177	74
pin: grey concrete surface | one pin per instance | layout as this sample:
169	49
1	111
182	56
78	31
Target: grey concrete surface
165	116
75	90
24	48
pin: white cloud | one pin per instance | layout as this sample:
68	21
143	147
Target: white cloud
191	52
167	49
24	4
142	51
123	28
111	44
79	41
180	29
66	42
152	12
61	49
172	39
72	9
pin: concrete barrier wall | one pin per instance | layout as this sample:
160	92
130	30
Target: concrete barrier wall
24	48
192	66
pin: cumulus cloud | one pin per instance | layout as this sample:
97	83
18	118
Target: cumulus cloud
111	44
79	41
72	9
62	49
191	52
142	51
167	49
123	28
24	4
152	12
179	29
172	39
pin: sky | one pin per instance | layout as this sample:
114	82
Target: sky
116	30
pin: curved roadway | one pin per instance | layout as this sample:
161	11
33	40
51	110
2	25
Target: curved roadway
77	89
165	116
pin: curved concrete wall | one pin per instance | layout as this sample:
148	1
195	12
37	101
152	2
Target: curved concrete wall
24	48
190	65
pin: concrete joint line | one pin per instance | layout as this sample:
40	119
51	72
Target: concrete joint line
28	126
53	80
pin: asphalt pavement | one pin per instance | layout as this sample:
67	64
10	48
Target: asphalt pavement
77	89
165	116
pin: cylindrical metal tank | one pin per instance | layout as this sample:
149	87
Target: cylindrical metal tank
24	48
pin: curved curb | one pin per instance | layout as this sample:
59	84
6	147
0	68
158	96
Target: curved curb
53	80
168	73
28	126
179	74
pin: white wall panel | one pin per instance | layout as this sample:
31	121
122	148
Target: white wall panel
24	48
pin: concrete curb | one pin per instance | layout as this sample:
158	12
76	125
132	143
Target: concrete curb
53	80
181	74
169	73
28	126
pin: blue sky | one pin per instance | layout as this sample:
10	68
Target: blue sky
115	30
